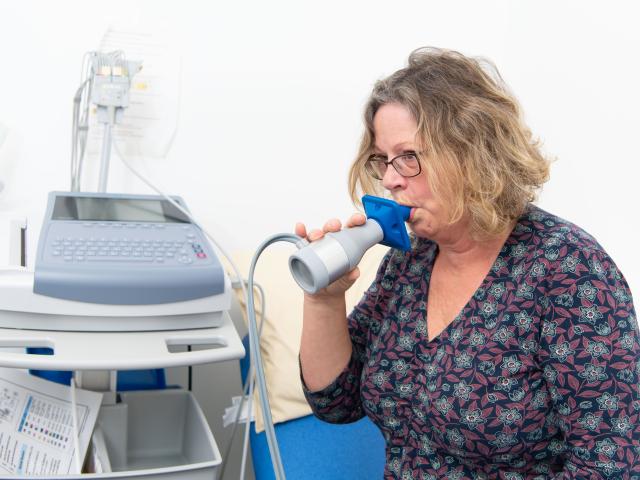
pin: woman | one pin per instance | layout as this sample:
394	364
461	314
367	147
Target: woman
505	343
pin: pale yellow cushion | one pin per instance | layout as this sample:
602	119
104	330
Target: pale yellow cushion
280	341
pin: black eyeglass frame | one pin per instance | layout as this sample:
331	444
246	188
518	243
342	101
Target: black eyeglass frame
379	158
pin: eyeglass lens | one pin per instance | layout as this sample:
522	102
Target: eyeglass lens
405	165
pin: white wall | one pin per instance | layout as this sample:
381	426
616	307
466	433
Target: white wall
272	94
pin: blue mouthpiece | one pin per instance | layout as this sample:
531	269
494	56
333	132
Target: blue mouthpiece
391	217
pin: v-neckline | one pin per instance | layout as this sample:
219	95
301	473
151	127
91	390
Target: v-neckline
459	316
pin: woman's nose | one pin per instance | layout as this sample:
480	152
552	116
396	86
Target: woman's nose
392	180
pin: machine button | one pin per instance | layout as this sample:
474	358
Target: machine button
119	260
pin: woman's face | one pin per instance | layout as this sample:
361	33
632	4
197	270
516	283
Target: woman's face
395	133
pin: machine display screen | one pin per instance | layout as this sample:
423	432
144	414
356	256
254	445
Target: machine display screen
99	209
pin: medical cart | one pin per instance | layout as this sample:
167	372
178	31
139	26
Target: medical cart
125	282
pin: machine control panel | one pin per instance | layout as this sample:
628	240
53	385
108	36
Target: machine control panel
123	249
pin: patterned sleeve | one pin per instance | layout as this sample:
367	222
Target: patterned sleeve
340	402
591	361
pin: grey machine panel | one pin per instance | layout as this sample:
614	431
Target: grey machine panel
123	249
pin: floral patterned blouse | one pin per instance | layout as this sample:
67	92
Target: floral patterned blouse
536	378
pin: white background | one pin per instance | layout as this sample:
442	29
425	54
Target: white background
272	97
271	105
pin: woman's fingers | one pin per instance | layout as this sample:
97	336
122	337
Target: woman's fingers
315	235
300	230
332	225
355	220
312	236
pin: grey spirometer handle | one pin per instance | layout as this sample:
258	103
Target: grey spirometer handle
320	263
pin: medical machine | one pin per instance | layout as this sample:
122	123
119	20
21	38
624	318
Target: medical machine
122	282
123	250
118	262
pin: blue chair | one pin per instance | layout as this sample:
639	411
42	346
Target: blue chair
313	449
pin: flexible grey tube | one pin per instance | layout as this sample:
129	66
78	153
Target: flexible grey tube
272	442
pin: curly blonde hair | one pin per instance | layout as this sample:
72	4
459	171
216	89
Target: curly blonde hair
479	156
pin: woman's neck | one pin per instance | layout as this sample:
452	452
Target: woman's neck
459	249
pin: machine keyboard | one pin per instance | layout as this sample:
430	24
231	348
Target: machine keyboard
125	249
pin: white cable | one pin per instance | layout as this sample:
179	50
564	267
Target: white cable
74	421
106	151
80	125
236	271
236	421
76	165
245	390
247	429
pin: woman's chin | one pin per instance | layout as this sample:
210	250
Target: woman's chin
417	231
421	229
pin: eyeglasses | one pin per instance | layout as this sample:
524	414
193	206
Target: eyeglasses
406	165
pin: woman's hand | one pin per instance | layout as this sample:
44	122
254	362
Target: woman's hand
343	283
325	344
